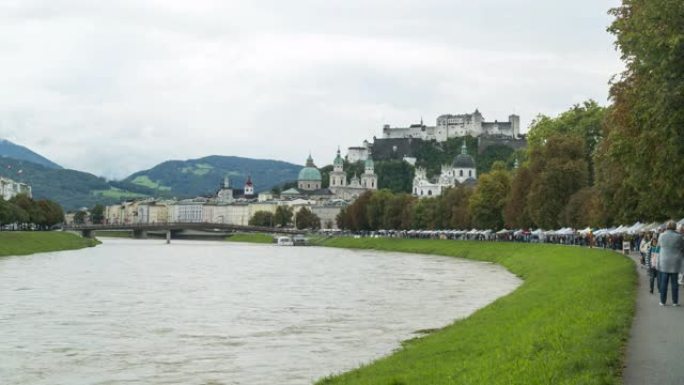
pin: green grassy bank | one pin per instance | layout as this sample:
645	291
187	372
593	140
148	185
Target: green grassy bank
566	324
29	242
250	238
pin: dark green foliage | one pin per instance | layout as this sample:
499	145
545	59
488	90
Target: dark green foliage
23	211
204	176
559	169
97	214
487	203
640	161
394	175
262	218
17	152
305	219
584	121
495	153
283	216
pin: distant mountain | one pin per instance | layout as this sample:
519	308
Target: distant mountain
189	178
15	151
72	189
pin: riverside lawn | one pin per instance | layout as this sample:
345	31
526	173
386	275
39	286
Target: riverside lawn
29	242
250	238
566	324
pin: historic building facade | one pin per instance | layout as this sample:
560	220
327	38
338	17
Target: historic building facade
461	171
453	126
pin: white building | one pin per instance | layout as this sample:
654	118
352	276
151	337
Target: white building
10	188
453	126
355	154
461	171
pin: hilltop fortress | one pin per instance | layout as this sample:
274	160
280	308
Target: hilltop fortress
452	126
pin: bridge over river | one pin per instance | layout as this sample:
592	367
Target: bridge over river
140	230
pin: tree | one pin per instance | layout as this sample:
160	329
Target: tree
97	214
644	127
262	218
394	175
515	212
356	213
559	169
487	202
584	209
376	208
584	121
454	203
306	219
283	216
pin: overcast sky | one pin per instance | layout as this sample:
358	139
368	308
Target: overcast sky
113	87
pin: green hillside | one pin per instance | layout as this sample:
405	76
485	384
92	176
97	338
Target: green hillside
188	178
15	151
71	189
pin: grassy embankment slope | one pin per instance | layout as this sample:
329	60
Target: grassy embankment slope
22	243
250	238
566	324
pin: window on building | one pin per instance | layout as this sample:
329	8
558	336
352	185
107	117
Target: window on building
470	172
460	172
429	192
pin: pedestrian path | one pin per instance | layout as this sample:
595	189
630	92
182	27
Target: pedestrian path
655	351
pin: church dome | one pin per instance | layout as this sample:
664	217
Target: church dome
463	160
338	159
309	172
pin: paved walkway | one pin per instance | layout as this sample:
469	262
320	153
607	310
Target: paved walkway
655	351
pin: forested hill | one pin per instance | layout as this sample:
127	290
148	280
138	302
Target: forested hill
15	151
71	189
188	178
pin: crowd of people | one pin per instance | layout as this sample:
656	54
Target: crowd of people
662	254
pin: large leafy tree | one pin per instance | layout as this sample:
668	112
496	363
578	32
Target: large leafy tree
306	219
585	121
487	202
642	156
515	212
283	216
262	218
559	169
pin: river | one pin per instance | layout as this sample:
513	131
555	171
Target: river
193	312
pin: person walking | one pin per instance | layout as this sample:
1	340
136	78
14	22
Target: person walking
644	247
670	262
651	263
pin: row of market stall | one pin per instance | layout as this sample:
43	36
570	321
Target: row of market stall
606	237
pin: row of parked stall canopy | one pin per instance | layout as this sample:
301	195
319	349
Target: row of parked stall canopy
637	228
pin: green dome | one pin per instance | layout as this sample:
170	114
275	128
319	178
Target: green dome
338	159
309	174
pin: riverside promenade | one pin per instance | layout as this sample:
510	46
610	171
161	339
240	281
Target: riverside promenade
656	345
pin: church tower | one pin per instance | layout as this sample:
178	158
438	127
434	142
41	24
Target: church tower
338	178
249	186
225	193
369	180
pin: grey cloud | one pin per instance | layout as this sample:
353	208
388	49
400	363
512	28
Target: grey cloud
128	84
